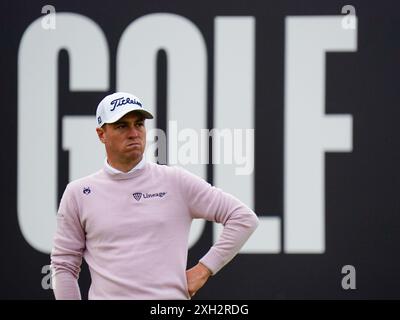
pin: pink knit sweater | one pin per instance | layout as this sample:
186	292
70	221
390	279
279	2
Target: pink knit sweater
132	229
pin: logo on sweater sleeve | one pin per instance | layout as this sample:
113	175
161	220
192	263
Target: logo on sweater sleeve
86	190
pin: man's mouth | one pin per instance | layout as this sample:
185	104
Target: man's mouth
134	144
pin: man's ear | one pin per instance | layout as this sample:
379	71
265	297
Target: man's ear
101	134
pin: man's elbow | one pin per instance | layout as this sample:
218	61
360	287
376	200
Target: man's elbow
254	222
250	220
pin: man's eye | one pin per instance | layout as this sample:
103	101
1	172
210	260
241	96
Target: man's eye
140	124
121	126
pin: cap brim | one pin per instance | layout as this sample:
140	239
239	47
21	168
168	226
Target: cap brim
145	113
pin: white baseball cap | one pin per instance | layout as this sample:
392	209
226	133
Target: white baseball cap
114	106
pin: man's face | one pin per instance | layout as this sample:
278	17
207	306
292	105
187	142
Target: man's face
125	140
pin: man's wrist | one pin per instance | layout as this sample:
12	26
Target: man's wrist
207	271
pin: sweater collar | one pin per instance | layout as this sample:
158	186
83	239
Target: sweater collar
120	175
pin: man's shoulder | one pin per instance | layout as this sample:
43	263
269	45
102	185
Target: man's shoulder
160	172
85	181
176	172
167	169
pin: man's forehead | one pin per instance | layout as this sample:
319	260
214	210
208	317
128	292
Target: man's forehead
132	116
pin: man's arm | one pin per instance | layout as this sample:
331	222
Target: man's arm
66	256
211	203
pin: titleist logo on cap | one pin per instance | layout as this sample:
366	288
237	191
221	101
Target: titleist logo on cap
121	101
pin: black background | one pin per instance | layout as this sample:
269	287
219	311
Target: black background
362	187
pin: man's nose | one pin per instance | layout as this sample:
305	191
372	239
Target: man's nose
133	132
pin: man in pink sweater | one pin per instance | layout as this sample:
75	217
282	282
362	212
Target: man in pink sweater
130	221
